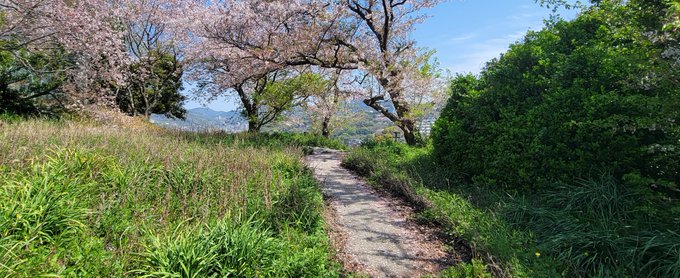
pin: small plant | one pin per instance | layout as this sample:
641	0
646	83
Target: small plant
222	250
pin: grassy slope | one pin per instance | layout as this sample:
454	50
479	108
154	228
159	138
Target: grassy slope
128	199
591	228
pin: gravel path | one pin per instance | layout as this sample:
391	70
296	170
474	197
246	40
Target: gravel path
376	239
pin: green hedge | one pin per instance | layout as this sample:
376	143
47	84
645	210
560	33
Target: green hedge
577	99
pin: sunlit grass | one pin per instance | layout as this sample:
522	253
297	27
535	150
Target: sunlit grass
124	199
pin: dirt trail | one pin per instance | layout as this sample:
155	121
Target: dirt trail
371	231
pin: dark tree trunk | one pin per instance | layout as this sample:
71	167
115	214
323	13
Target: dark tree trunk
251	109
133	108
147	113
325	128
410	132
147	103
253	126
402	110
325	124
400	117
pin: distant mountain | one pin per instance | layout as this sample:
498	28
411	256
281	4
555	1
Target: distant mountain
202	119
363	122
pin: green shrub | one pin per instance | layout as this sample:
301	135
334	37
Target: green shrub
231	250
574	100
360	161
376	160
536	130
43	218
9	118
473	269
219	251
298	207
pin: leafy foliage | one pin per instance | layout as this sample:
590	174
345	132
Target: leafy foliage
266	97
574	100
30	80
283	92
158	94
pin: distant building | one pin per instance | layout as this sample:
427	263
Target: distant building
425	125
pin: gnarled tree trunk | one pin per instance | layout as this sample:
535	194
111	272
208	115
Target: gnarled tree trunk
250	108
401	116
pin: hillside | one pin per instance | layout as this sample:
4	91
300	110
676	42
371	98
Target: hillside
366	123
122	198
204	119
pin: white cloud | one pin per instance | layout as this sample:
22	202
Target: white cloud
462	38
474	56
471	51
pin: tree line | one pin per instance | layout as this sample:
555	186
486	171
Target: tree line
271	55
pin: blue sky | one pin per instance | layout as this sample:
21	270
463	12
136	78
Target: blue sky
465	34
468	33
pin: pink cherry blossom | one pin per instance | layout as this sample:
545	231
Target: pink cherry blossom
237	40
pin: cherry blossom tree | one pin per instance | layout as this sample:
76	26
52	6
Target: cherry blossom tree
250	38
155	75
323	106
88	32
248	48
230	44
110	46
386	52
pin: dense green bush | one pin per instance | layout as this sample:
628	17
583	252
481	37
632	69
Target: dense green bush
576	99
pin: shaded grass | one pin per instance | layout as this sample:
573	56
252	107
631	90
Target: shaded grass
80	198
600	228
592	228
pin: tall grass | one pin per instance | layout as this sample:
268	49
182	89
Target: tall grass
81	198
600	228
582	228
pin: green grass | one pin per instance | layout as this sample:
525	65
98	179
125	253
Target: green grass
592	228
268	140
80	198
